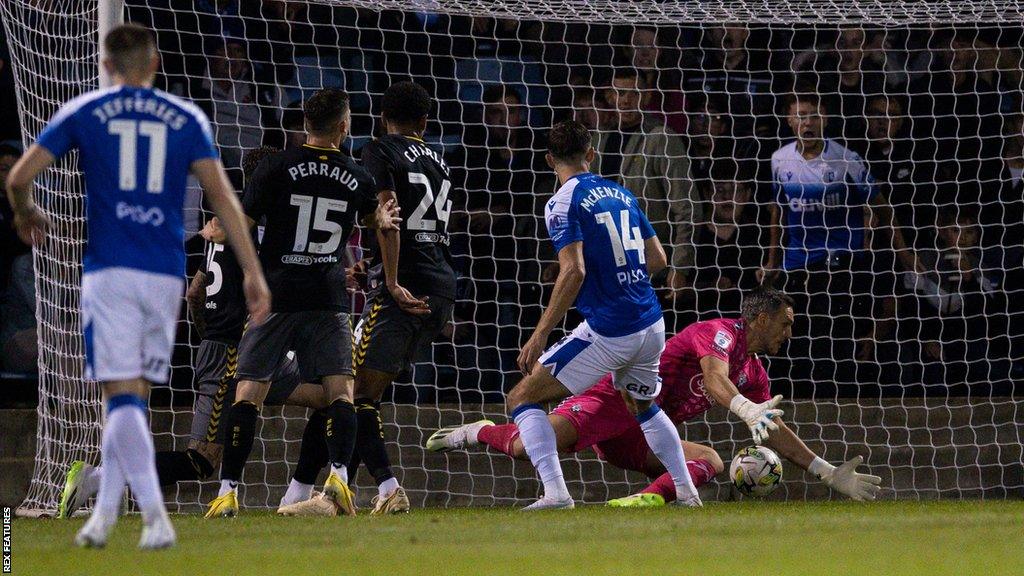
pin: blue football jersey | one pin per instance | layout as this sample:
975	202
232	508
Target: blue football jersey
616	297
136	146
823	199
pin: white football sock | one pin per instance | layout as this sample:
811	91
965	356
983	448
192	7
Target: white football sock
133	446
110	492
387	487
91	479
663	439
341	471
226	486
297	492
541	446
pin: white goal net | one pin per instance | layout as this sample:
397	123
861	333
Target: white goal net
906	261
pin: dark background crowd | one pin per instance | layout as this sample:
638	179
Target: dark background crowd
688	118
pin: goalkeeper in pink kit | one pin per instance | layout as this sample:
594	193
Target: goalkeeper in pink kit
712	362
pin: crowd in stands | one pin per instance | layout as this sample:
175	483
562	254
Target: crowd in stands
875	173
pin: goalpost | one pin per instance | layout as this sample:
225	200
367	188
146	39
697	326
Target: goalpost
933	405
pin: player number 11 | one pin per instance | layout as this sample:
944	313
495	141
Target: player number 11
629	239
127	132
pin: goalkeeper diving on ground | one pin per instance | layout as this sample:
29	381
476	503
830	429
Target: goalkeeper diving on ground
708	363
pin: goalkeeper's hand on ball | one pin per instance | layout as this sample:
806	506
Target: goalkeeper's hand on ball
759	417
846	479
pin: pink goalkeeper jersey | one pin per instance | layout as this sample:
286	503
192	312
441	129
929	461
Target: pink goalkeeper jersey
683	395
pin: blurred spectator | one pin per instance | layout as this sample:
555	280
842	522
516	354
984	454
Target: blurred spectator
726	68
962	305
10	245
1003	215
661	76
499	174
727	248
956	122
18	349
584	110
10	122
293	123
236	109
651	162
849	77
710	136
822	189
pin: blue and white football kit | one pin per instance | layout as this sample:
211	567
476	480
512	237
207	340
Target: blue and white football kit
623	332
823	199
136	146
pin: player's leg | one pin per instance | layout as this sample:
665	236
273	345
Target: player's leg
630	452
215	377
261	350
129	325
702	462
502	437
203	456
640	384
287	389
323	350
387	340
524	403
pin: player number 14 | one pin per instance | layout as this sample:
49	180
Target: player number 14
629	239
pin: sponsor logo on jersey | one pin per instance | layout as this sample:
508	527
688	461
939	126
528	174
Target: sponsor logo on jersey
296	259
642	389
303	260
723	339
140	214
698	389
431	237
742	380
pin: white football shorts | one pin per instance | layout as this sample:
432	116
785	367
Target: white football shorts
129	318
582	358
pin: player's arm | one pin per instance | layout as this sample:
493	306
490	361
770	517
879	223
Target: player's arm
774	240
196	298
29	221
844	478
654	255
883	211
571	272
390	243
384	217
220	194
760	418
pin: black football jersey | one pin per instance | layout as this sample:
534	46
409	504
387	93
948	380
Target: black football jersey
422	184
309	198
225	300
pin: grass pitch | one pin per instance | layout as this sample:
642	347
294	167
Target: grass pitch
775	539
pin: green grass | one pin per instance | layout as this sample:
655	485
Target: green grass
774	539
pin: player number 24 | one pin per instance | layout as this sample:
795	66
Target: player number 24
442	205
629	239
128	132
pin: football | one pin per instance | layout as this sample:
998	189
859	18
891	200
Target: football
756	471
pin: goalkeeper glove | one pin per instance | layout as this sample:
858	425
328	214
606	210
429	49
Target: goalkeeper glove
846	479
759	417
